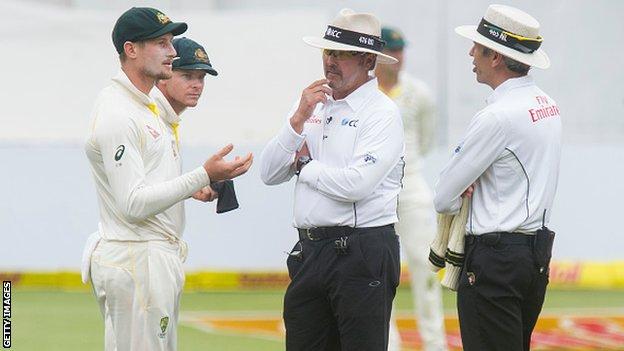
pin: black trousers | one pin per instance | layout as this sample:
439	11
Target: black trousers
341	300
500	294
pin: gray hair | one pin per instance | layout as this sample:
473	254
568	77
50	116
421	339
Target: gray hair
511	64
363	56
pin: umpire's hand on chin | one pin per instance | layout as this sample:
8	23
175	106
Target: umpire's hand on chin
220	169
206	194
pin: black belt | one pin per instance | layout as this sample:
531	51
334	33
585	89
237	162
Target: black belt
505	238
321	233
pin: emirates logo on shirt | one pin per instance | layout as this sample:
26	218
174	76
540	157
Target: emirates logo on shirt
545	110
314	120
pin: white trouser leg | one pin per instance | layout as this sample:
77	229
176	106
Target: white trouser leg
109	336
138	287
416	229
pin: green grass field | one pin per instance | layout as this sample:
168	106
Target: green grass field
52	320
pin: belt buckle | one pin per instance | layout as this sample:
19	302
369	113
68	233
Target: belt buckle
309	234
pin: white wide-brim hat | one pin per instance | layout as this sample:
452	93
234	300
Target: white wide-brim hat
511	32
351	31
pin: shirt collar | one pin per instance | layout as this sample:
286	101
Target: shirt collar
166	111
122	79
360	95
508	85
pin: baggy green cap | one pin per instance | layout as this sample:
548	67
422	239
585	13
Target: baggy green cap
393	38
191	55
142	23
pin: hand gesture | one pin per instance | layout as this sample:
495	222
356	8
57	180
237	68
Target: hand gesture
311	96
220	169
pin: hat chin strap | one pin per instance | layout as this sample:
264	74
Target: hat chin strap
348	37
513	41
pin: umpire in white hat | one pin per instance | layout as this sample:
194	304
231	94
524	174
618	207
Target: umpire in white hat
508	162
343	140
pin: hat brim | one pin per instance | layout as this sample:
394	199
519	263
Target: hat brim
199	66
175	28
332	45
537	59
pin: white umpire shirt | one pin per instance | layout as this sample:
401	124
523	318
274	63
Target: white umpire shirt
357	149
136	167
511	152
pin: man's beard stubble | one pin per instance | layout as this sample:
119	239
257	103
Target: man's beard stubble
160	75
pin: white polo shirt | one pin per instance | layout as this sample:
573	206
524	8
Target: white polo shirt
511	152
357	149
136	169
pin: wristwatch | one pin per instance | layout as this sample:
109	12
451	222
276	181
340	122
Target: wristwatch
302	161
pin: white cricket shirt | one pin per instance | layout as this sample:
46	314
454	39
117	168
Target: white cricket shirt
136	167
512	152
416	105
357	149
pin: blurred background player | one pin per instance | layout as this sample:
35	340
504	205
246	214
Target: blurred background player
416	215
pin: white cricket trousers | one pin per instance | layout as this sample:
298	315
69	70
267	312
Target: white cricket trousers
416	229
138	285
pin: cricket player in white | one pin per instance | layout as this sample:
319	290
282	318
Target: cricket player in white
136	268
416	226
181	91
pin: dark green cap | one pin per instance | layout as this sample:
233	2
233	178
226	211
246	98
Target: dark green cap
393	38
191	55
142	23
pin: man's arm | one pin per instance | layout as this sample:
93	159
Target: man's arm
119	139
279	154
378	149
277	157
483	144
